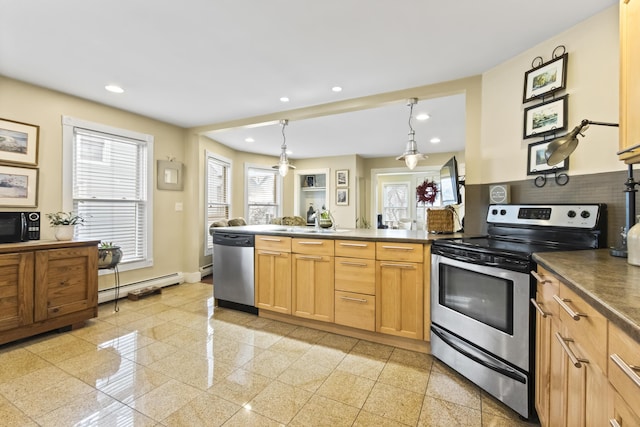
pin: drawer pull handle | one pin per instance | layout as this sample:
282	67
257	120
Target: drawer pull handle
357	245
400	248
388	264
563	303
577	362
614	423
536	304
270	239
355	264
308	257
629	370
539	278
311	243
269	253
354	299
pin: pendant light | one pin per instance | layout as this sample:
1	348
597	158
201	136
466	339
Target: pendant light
411	155
283	165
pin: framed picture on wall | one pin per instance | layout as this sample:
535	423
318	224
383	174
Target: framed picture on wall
545	118
545	79
342	196
537	161
342	178
18	142
18	186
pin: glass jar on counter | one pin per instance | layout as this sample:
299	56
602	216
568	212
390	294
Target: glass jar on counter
633	243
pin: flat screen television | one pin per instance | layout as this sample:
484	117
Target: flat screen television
449	183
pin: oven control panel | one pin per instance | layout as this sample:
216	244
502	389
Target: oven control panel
565	215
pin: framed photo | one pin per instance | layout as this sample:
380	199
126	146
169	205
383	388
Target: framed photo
537	161
18	186
342	178
545	79
170	175
545	118
342	196
310	181
18	142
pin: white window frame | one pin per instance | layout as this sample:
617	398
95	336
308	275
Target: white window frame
278	196
406	184
208	245
68	124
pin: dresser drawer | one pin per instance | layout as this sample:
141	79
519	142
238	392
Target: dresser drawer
355	275
355	310
624	356
312	246
273	243
548	287
392	251
355	249
585	325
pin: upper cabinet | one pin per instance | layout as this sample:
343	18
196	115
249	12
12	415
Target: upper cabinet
630	79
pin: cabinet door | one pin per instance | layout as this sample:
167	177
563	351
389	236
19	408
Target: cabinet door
16	290
543	362
629	78
66	281
399	298
313	287
273	281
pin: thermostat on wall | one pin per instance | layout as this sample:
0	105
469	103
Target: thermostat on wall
499	194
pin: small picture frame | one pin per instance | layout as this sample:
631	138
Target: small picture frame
18	187
342	196
537	161
545	79
310	181
18	143
545	118
342	178
170	175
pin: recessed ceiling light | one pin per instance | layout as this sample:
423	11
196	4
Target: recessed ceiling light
434	140
249	140
336	89
284	99
114	88
422	116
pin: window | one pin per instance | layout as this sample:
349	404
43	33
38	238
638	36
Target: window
395	201
218	189
108	182
262	194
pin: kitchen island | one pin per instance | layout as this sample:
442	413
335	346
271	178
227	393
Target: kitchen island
587	339
366	283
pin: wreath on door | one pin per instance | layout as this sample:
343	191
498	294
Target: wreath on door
427	192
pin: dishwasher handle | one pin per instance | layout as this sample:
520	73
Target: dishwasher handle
232	239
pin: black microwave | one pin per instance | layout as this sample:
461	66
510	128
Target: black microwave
19	226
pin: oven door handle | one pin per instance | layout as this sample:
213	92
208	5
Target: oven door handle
471	260
469	352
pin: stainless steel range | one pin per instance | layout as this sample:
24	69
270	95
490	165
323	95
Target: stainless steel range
482	323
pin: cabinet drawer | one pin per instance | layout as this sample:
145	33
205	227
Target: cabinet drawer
355	310
621	412
392	251
585	325
548	287
312	246
273	243
624	356
355	249
356	275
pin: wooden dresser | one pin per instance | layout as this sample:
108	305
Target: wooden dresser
46	285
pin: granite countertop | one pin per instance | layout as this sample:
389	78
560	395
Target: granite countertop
609	284
407	236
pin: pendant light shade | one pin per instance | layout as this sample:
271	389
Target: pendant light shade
411	155
283	165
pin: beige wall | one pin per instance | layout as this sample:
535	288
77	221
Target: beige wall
592	85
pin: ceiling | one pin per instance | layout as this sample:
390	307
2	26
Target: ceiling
203	62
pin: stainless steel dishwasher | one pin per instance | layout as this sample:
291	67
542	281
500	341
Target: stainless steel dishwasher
233	280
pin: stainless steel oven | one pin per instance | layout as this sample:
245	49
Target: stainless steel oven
482	323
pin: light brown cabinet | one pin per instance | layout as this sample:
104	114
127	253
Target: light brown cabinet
630	79
312	279
399	289
46	286
624	376
273	273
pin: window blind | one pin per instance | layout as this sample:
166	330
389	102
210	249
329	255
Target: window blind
218	188
262	195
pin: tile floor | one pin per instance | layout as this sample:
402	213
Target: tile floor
175	360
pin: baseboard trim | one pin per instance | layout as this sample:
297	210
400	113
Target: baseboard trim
105	295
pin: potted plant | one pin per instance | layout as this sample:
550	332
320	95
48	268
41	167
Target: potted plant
109	255
65	223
